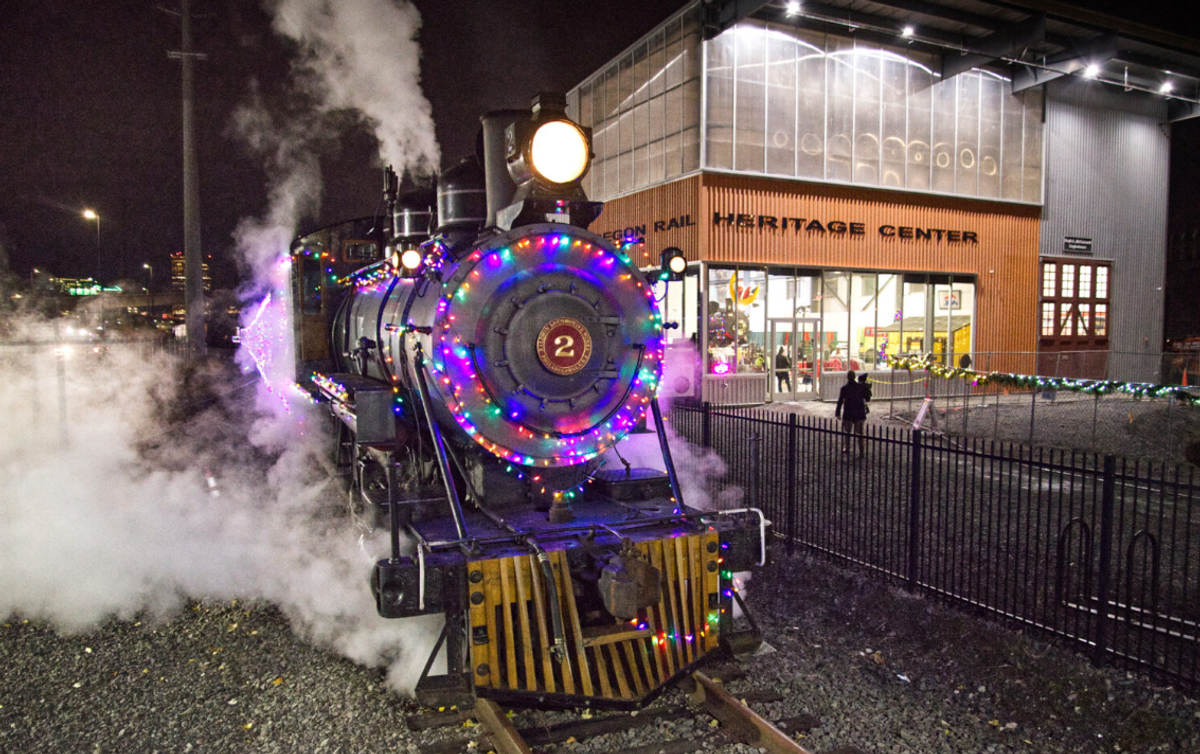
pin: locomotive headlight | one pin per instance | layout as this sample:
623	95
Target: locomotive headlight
410	259
559	151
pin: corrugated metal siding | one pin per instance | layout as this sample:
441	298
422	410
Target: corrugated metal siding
1107	168
1004	261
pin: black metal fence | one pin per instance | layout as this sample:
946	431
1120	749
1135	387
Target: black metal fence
1096	551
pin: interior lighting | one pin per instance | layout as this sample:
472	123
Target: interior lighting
907	33
1091	72
793	8
559	151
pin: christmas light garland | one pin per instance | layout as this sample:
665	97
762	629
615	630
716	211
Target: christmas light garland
1026	382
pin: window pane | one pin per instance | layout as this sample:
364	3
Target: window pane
839	126
888	297
1032	190
810	119
752	321
781	103
835	320
1048	318
1085	281
866	117
920	123
1012	147
1068	280
864	313
990	105
750	93
722	322
1085	316
966	150
892	145
1065	321
945	106
1101	283
1100	322
720	103
912	324
1048	286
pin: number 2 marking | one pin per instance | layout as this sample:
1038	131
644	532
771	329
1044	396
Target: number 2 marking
566	347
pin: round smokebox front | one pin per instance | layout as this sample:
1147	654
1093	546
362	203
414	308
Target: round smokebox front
551	344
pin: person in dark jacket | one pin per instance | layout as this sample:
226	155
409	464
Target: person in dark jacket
852	410
783	370
866	386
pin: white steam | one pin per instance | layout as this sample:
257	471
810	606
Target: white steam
119	520
363	56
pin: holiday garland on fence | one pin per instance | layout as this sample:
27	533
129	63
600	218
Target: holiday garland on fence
1025	381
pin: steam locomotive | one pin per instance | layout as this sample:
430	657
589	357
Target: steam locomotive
480	363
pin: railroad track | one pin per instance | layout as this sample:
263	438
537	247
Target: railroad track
731	721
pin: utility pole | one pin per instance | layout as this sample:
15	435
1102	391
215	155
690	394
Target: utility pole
193	260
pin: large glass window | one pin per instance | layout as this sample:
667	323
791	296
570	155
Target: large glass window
726	334
644	111
864	319
784	101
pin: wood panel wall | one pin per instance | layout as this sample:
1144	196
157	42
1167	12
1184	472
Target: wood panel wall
1003	259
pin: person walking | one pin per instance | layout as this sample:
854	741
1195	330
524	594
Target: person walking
852	410
783	370
866	388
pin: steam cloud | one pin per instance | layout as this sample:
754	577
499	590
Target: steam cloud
119	519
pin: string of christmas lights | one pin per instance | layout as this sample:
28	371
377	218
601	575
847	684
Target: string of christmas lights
1068	384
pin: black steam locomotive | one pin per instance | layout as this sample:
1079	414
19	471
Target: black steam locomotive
481	361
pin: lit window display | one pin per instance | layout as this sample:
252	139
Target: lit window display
833	320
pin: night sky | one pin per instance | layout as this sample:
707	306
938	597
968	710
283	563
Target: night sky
91	115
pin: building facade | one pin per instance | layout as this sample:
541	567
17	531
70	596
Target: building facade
846	197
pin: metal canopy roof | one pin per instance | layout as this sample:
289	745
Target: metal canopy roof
1034	41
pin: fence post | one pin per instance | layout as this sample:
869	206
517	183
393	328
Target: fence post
914	511
706	426
755	452
1107	502
792	456
1032	411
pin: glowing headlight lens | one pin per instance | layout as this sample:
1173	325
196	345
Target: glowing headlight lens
559	151
410	259
677	265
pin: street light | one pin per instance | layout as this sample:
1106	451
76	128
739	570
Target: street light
146	266
91	215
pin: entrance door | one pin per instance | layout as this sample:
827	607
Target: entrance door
810	358
782	352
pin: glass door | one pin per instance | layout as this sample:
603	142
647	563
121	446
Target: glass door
809	361
783	352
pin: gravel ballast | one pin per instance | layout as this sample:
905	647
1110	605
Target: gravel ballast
881	671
